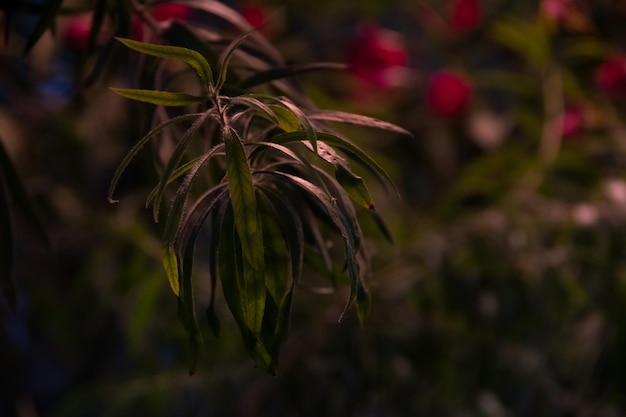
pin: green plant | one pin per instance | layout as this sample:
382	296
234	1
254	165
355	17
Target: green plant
267	193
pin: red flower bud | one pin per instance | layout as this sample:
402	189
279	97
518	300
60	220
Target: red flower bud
166	11
76	33
448	93
610	76
378	57
465	15
254	14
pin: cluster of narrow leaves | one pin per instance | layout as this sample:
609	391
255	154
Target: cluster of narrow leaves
266	179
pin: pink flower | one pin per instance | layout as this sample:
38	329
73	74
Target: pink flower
448	93
610	76
571	121
555	9
76	33
378	57
465	15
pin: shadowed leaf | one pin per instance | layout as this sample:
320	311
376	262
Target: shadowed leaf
163	98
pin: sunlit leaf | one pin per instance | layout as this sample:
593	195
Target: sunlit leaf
163	98
355	187
46	21
191	57
287	121
15	189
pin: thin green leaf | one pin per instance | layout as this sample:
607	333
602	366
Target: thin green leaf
170	263
175	160
350	149
287	121
234	286
135	150
304	122
16	190
225	58
46	20
355	119
249	229
186	242
163	98
355	187
191	57
170	230
342	224
258	106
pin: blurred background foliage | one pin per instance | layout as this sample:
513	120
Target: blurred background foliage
503	294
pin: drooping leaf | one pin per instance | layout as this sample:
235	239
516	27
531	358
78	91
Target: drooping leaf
355	119
342	224
135	150
46	20
234	285
344	145
163	98
249	231
175	159
191	57
174	216
203	207
170	263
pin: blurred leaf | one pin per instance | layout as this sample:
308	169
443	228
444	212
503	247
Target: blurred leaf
46	20
237	20
263	77
191	57
164	98
6	251
18	195
528	39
